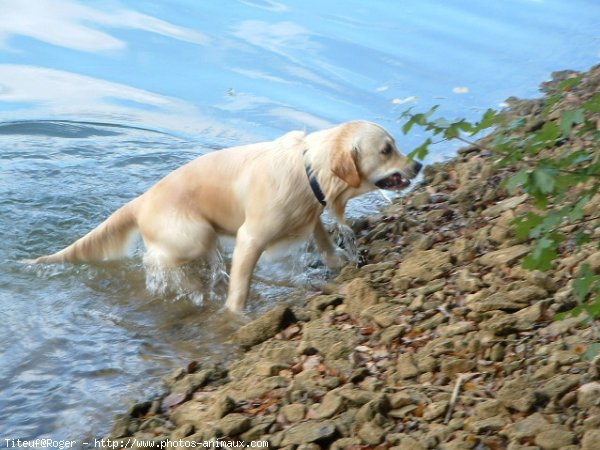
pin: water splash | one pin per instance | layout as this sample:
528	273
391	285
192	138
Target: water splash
196	281
345	239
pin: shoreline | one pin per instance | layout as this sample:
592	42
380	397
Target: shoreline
440	340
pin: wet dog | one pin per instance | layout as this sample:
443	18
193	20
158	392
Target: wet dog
264	194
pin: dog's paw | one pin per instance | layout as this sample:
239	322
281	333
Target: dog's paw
337	260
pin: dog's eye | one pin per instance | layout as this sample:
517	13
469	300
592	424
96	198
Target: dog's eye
387	150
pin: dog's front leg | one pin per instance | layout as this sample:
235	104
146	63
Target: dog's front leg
333	259
245	256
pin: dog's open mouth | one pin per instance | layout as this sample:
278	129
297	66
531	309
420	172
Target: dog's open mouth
393	182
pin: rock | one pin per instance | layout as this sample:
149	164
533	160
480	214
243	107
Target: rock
504	205
425	265
590	440
489	425
322	302
518	394
329	406
435	410
554	439
489	408
462	250
406	367
265	327
410	443
453	366
588	395
457	328
222	406
504	256
594	261
371	434
421	199
359	296
528	427
191	382
233	424
379	405
557	386
293	412
467	282
310	431
500	324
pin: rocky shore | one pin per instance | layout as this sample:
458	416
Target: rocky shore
439	340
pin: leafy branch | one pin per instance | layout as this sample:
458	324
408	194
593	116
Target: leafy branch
557	162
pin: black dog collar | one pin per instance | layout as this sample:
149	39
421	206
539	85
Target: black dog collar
314	184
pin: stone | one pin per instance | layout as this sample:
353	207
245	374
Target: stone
489	425
588	395
359	296
233	424
554	439
435	410
594	261
504	205
265	327
310	431
406	367
457	328
371	434
425	265
590	440
222	406
518	394
421	199
462	250
410	443
467	282
557	386
294	412
329	406
504	256
489	408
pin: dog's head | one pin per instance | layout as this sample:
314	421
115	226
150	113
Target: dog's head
367	158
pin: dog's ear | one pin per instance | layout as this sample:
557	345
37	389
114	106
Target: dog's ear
343	165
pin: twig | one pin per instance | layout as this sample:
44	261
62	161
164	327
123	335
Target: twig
459	382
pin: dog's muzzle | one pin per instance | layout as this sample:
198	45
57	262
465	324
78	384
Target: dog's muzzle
394	181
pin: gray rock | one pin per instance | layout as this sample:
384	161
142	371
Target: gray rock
457	328
310	431
359	296
554	439
558	386
406	367
425	265
409	443
518	394
371	434
504	256
588	395
222	406
435	410
489	408
590	440
265	327
294	412
233	424
489	425
329	406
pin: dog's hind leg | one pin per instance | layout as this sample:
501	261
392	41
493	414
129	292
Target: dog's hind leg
248	248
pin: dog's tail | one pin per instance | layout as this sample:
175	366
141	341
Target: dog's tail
107	241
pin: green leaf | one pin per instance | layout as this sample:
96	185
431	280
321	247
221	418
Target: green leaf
570	118
489	119
592	351
517	180
593	105
544	180
525	224
583	283
548	134
569	83
421	151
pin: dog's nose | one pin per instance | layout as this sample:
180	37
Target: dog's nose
417	167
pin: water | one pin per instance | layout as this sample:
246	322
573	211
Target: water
98	100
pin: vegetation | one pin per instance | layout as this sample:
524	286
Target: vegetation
554	157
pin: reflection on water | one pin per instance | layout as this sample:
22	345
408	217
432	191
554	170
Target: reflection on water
99	100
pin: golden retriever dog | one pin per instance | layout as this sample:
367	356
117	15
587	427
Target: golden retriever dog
263	194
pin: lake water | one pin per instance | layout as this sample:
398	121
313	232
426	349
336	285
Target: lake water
100	99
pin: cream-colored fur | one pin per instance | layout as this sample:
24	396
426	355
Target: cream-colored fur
259	193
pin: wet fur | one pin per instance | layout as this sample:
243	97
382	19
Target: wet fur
259	193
